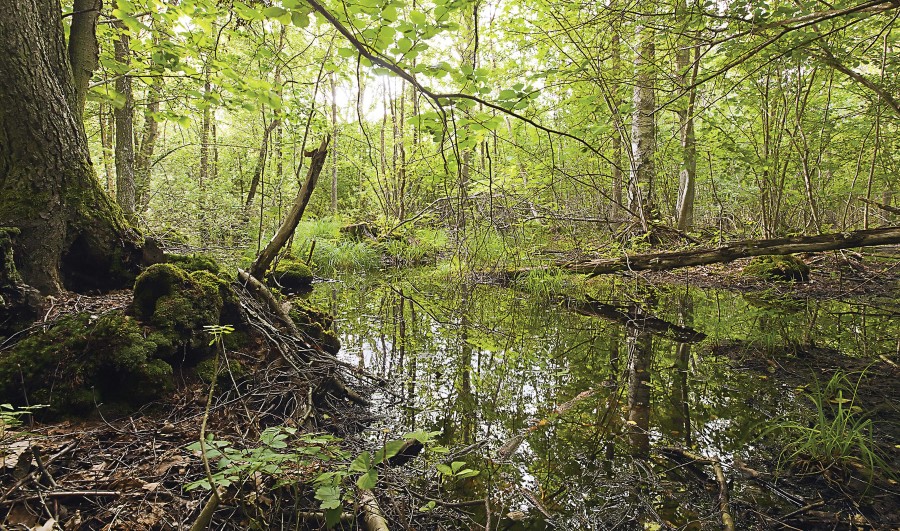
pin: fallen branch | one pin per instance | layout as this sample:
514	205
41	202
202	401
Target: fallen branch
265	258
728	253
373	517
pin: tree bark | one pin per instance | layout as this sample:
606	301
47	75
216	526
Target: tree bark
739	249
265	258
107	130
125	130
687	72
261	161
72	235
334	133
145	151
643	135
84	52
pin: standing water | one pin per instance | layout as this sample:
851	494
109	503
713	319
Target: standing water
637	407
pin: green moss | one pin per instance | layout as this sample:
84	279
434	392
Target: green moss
83	359
157	281
178	305
194	262
8	273
781	267
292	275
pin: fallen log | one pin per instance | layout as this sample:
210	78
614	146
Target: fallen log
732	251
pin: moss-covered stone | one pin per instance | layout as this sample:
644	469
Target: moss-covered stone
82	360
780	267
179	305
291	275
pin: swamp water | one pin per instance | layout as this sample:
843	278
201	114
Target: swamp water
568	410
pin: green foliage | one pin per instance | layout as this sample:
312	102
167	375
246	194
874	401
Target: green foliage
420	246
332	257
11	417
288	458
840	434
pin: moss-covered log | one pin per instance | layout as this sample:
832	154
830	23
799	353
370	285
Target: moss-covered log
731	252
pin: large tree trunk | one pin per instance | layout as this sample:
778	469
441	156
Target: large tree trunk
687	77
72	235
739	249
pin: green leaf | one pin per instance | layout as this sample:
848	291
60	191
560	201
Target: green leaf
329	495
274	11
362	463
300	18
418	18
368	480
390	449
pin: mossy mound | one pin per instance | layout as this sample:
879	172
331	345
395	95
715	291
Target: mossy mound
781	267
291	276
316	324
195	262
83	360
179	304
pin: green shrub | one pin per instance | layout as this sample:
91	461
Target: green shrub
840	434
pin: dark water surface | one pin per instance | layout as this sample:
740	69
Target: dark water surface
492	367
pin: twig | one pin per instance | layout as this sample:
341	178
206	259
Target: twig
727	519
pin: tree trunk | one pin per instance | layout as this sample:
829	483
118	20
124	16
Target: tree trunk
739	249
265	258
687	72
643	135
125	131
334	134
84	52
261	161
72	235
107	130
148	144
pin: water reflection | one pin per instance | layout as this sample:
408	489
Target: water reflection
486	365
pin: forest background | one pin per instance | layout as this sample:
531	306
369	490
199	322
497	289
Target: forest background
498	129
